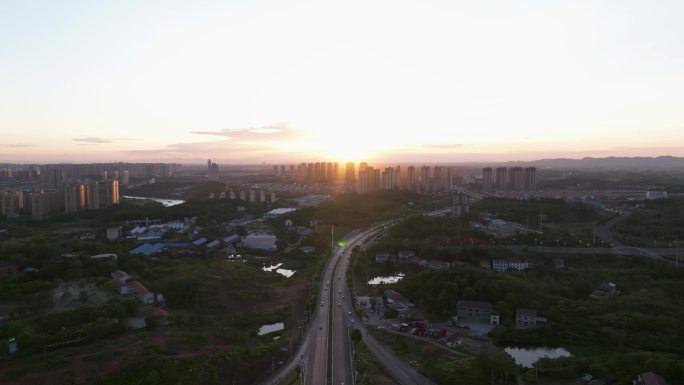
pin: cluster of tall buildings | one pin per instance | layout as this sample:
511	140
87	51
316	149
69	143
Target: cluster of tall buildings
65	188
56	174
509	179
423	179
313	172
73	197
366	178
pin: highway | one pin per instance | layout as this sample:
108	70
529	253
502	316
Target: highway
312	354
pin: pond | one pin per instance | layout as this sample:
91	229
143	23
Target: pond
284	272
528	356
266	329
165	202
385	280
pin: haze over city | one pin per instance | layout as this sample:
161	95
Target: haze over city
379	81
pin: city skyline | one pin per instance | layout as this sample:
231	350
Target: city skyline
270	82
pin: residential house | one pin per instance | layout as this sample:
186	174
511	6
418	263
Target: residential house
476	312
141	293
383	256
518	265
607	290
120	276
398	303
649	378
485	264
500	265
525	318
405	255
437	265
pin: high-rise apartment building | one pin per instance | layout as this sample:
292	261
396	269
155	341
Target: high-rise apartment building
516	179
501	178
389	179
75	198
487	179
411	178
212	170
111	192
425	178
125	178
92	195
369	180
530	178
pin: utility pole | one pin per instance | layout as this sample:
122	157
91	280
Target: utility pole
594	235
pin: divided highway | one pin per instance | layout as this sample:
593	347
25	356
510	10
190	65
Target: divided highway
336	305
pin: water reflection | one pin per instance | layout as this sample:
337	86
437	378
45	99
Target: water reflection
528	356
287	273
266	329
386	280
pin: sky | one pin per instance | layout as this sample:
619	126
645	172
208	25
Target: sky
384	80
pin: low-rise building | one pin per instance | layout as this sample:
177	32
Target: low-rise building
559	263
405	255
525	318
260	241
500	265
383	256
141	293
120	276
476	312
485	264
437	265
114	233
604	291
518	265
649	378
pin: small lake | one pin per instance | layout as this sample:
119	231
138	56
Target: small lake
528	356
165	202
386	280
266	329
284	272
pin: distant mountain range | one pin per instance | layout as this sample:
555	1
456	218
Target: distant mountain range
631	163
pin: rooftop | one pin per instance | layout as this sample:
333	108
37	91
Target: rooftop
474	304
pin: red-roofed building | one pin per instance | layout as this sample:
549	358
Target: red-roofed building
121	276
141	292
123	288
649	378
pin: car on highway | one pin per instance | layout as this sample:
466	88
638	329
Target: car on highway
339	304
340	291
328	283
322	304
349	313
320	327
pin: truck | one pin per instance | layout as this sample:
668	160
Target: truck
436	333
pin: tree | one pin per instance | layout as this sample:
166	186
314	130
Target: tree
356	335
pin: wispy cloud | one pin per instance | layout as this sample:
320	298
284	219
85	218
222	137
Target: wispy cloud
98	140
275	131
17	145
443	146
